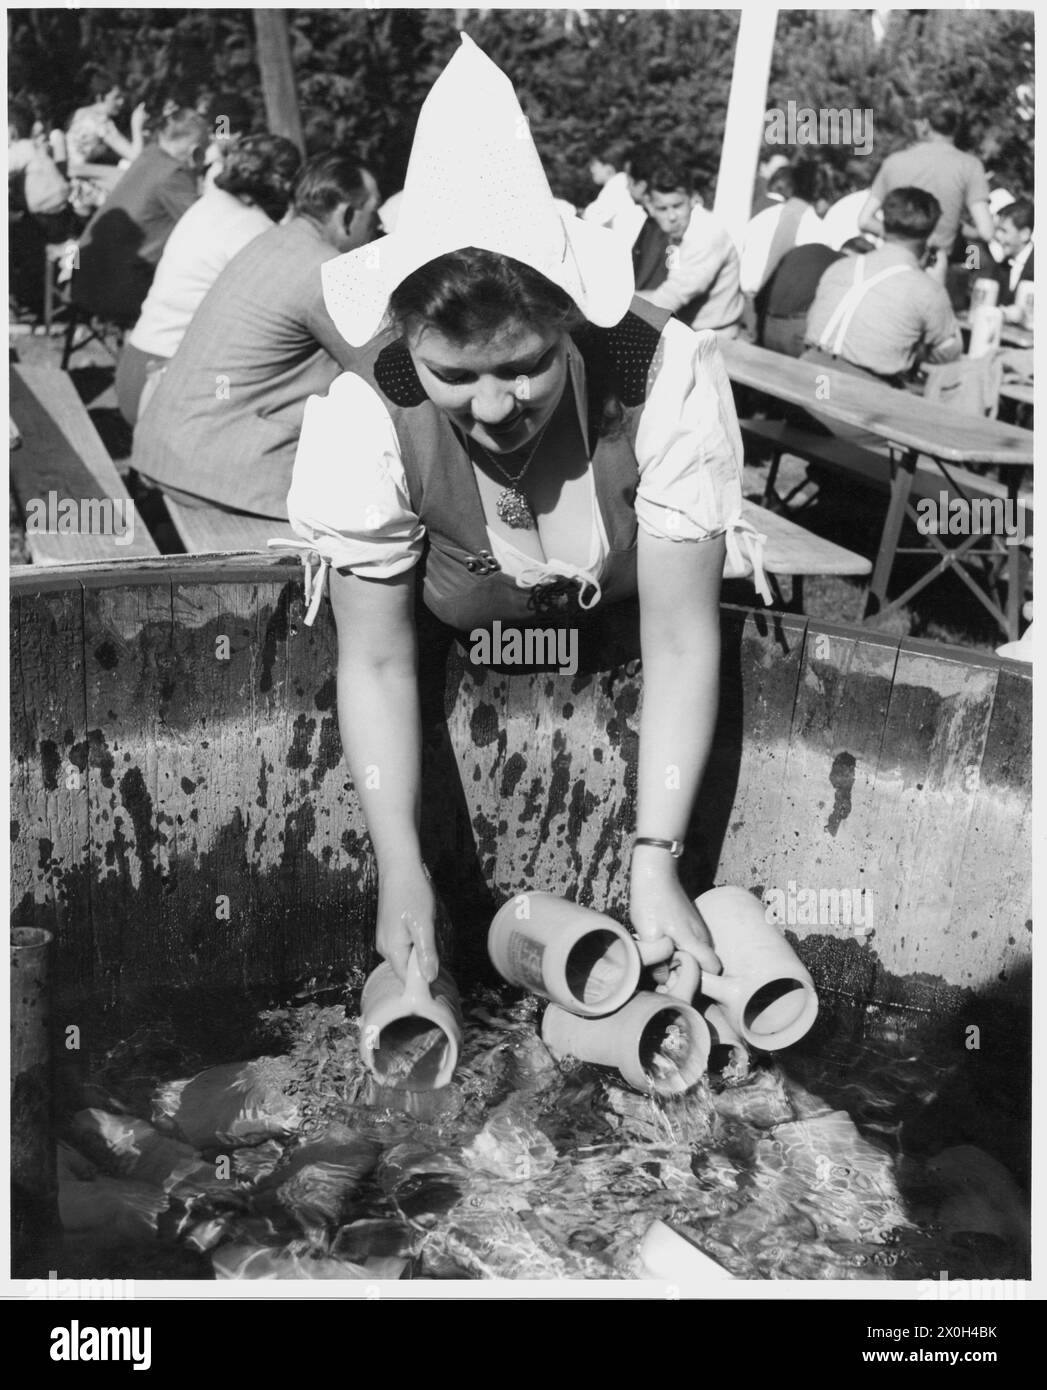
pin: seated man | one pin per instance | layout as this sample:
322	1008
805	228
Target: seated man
1014	233
775	231
123	242
696	277
222	426
880	314
782	304
614	206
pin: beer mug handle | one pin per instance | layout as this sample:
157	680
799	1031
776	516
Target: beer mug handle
684	976
653	950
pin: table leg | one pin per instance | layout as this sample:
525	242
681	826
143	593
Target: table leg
901	487
1014	564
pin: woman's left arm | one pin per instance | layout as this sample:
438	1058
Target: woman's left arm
679	589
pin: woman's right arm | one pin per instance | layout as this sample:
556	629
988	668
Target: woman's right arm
379	720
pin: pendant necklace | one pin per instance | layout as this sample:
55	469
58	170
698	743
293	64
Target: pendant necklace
511	505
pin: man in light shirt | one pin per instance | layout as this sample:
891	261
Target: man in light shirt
878	315
956	179
698	278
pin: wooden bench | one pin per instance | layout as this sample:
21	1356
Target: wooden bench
869	466
211	531
71	497
793	550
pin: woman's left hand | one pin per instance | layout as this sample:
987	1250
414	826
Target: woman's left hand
659	907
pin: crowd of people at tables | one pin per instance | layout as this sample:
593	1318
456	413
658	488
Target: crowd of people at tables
204	244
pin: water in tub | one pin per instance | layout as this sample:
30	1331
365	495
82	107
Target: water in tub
298	1165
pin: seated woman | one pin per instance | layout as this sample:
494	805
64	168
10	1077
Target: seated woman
252	192
539	444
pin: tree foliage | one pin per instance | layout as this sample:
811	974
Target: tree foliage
585	77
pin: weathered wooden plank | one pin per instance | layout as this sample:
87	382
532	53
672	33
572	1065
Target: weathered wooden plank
233	839
156	569
209	530
202	775
548	765
741	809
50	756
128	682
934	737
62	456
993	886
829	811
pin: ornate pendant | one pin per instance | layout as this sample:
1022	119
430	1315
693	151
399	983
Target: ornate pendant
513	508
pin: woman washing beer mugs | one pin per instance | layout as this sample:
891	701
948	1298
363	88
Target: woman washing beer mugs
542	444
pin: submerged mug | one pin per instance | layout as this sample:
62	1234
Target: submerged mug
571	955
410	1031
659	1044
765	994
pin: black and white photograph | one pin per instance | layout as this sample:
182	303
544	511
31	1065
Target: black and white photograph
521	661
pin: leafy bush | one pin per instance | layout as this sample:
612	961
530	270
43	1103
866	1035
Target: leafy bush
584	77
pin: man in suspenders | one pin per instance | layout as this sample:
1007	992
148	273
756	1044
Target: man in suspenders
880	314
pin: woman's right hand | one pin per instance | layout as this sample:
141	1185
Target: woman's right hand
406	918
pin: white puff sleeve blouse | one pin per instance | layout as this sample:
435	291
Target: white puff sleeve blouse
349	498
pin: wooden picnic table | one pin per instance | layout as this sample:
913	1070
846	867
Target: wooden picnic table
910	427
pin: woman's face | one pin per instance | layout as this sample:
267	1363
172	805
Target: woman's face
499	392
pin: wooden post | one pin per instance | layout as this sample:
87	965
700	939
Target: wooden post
743	131
274	64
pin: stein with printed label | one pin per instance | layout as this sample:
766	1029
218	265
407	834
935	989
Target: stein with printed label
571	955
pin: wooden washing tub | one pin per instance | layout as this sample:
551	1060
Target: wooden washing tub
183	821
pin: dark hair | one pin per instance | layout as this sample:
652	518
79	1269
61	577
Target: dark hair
233	108
327	180
101	84
184	124
470	294
638	161
810	181
943	116
671	178
1019	213
861	244
264	168
782	181
612	152
20	119
910	213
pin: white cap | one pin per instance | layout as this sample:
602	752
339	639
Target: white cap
475	179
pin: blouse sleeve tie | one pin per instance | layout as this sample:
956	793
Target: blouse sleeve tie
314	590
745	546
